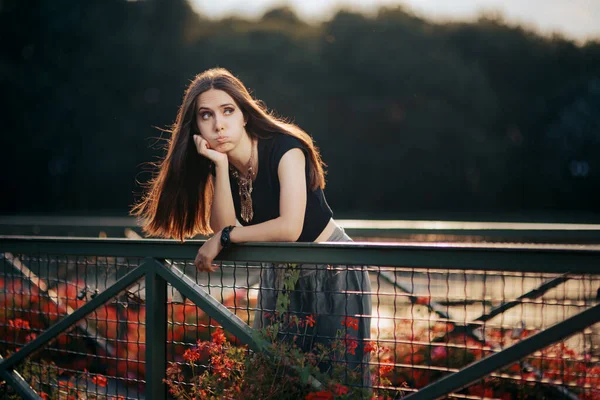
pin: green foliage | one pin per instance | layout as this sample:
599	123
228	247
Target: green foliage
41	376
290	278
46	378
216	369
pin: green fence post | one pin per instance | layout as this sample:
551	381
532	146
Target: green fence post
156	333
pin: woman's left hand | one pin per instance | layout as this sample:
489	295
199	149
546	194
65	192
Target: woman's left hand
207	253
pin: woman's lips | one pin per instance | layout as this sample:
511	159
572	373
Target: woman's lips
222	139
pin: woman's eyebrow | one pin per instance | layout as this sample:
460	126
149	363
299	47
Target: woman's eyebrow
221	106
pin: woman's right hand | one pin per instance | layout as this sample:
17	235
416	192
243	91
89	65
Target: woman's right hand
204	150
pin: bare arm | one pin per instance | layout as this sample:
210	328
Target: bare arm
222	211
292	205
285	228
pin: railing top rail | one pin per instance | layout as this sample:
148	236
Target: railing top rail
357	224
464	225
357	244
554	258
577	230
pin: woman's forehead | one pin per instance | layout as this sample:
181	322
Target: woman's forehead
214	98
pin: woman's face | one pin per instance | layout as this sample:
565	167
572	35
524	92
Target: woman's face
219	120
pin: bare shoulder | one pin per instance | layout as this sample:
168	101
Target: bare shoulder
292	159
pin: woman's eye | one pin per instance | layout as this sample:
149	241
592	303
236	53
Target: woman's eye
205	115
228	111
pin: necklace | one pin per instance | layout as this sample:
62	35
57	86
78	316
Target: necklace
245	187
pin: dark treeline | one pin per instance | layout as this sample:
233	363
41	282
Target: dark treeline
410	115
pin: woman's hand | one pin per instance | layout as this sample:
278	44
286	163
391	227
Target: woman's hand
204	150
207	253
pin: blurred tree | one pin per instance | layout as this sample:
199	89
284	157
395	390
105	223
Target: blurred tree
533	78
88	76
282	15
415	126
570	164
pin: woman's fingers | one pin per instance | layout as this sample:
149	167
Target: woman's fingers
203	263
201	145
204	149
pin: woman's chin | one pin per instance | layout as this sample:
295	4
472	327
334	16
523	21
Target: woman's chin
224	147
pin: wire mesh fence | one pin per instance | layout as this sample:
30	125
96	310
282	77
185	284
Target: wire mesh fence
423	323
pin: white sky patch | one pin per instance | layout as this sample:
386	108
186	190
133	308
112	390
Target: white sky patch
577	19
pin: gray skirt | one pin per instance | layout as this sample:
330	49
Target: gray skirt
336	296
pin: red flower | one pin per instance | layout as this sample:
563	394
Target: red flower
191	355
18	323
310	321
323	395
350	322
371	346
218	337
441	327
221	365
99	380
173	369
351	344
417	358
423	300
385	368
438	353
340	390
295	321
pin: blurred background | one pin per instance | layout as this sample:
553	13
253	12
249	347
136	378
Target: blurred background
462	110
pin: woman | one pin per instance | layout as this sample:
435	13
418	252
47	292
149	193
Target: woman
235	169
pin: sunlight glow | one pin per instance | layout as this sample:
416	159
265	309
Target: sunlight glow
577	19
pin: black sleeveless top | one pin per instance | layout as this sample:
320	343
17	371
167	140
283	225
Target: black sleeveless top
265	193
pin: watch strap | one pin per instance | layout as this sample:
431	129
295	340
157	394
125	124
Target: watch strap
225	239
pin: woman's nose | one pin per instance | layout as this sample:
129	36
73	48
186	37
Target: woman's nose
218	124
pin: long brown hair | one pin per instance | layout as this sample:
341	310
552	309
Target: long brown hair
178	199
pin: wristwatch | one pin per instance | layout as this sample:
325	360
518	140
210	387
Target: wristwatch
225	239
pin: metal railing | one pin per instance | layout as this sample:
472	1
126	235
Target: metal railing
469	321
383	230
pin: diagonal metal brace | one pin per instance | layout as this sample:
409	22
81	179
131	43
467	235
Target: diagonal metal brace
220	313
480	369
72	319
470	328
14	379
532	294
42	286
213	308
